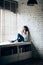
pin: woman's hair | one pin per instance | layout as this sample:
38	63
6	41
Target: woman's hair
26	28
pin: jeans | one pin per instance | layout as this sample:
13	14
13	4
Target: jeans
20	38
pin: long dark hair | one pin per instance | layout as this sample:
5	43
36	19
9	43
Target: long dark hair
27	29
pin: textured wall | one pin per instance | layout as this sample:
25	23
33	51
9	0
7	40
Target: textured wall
32	16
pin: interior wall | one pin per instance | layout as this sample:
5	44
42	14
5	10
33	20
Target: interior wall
32	16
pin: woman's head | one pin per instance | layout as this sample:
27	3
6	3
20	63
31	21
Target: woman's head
25	29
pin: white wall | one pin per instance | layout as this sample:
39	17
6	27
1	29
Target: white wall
32	16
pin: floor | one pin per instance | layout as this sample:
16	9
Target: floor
29	62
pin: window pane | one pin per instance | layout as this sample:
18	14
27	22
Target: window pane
14	6
2	3
7	5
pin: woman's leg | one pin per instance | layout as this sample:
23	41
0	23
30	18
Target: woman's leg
20	38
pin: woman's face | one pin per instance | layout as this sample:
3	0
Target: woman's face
24	30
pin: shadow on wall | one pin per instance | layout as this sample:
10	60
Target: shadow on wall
35	53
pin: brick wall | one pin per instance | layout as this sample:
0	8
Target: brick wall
32	16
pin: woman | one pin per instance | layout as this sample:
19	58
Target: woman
24	36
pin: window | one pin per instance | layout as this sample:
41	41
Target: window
8	25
